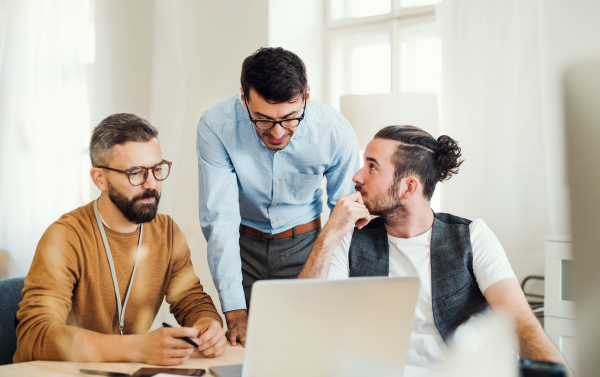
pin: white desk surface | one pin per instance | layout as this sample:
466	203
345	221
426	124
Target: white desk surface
232	355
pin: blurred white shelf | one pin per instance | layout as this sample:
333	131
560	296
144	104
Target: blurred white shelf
559	308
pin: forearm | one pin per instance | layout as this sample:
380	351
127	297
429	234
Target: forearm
506	296
534	343
44	340
317	264
92	346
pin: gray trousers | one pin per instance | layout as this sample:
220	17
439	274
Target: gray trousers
273	259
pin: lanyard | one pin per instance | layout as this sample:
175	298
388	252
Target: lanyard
112	267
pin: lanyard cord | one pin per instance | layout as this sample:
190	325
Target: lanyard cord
112	267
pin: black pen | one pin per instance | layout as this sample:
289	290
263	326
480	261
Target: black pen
185	338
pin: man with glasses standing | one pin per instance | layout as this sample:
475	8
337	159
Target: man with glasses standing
262	156
101	272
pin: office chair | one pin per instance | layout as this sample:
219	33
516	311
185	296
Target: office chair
10	297
536	301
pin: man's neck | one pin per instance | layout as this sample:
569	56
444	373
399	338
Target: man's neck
418	221
113	217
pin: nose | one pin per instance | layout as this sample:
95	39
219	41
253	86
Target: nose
277	131
358	178
151	182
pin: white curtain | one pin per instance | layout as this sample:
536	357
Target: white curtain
46	47
492	103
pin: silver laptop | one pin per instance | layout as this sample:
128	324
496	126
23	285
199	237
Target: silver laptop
317	327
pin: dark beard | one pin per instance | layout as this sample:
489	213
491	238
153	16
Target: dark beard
143	212
389	207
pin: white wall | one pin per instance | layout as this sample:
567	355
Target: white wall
491	104
571	31
502	99
300	28
122	70
169	62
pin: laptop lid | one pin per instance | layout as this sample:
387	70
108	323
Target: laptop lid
315	327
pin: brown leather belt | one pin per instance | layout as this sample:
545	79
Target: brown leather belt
300	229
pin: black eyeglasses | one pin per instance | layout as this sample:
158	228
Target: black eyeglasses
266	124
139	174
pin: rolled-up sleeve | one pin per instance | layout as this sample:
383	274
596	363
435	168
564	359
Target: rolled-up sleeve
345	165
220	216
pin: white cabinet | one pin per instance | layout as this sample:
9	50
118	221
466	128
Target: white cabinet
559	308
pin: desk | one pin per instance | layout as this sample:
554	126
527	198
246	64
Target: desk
232	355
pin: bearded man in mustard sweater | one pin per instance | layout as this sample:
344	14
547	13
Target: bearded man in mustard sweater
100	272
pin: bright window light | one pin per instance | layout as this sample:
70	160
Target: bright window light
370	72
341	9
420	60
417	3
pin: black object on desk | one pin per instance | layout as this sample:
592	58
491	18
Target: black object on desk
537	368
185	338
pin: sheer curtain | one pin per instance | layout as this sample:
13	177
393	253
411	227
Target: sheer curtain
492	103
45	50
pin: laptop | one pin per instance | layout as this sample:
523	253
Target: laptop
316	327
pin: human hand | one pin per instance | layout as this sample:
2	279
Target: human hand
163	346
349	211
211	337
237	324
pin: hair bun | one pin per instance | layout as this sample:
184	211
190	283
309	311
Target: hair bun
448	157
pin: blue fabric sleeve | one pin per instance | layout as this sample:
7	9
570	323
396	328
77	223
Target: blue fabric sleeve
345	165
220	216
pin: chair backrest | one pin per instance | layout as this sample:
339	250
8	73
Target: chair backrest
10	297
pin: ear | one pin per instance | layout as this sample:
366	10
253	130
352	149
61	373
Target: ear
99	179
308	94
243	97
409	187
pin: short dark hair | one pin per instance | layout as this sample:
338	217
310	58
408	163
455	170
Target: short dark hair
420	154
118	129
277	75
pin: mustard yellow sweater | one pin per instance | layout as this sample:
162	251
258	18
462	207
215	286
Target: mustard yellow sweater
69	285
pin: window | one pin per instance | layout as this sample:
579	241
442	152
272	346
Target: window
47	51
381	46
341	9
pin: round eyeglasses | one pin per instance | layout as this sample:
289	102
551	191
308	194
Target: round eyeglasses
139	174
266	124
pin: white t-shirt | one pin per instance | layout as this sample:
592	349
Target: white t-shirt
411	257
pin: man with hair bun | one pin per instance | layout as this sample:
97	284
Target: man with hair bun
262	155
462	266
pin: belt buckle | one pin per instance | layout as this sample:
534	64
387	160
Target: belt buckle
273	237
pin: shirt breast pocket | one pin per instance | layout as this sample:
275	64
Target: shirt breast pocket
304	186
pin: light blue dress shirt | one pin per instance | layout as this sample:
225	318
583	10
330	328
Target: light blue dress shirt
241	181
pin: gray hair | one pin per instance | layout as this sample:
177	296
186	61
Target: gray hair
118	129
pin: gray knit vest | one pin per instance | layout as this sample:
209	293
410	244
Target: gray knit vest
455	293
